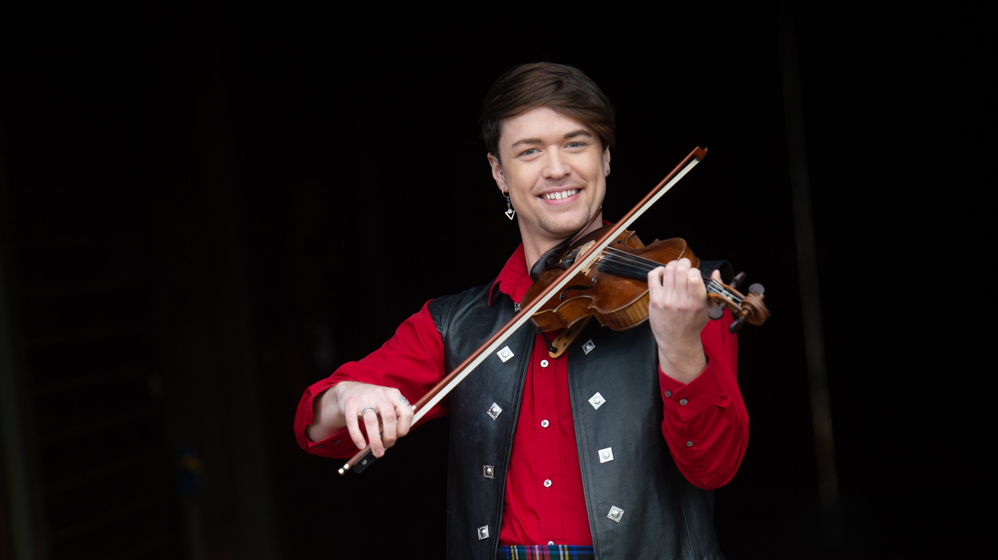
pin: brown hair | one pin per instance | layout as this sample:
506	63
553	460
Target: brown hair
544	84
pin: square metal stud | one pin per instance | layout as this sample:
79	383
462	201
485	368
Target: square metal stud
488	471
516	307
505	354
615	514
483	532
606	455
494	411
597	400
588	346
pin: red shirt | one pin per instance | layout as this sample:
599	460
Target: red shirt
704	423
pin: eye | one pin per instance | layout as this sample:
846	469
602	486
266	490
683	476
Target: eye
529	152
576	145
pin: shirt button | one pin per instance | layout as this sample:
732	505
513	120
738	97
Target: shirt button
544	363
545	423
683	402
547	483
668	393
689	443
551	543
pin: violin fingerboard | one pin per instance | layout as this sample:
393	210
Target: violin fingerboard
618	269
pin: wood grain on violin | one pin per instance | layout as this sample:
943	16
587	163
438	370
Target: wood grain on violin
615	290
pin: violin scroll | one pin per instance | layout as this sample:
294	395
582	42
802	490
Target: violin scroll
746	308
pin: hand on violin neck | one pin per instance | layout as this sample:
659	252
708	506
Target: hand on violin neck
677	312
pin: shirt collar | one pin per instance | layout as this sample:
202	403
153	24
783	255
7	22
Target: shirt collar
513	280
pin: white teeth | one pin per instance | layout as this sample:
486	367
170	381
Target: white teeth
561	195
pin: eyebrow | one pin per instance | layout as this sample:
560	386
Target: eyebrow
568	136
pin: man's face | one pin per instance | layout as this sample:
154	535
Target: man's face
554	169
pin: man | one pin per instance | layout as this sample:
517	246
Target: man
606	451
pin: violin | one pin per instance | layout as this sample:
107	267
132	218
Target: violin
615	253
614	288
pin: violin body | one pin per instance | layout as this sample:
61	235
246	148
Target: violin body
614	289
616	301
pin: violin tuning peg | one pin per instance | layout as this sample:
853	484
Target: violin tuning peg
715	313
757	289
738	279
736	325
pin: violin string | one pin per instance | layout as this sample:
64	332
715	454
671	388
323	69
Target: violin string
640	264
647	265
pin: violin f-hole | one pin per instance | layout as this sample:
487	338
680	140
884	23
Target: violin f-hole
577	287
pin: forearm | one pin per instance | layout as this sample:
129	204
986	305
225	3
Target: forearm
313	434
327	418
683	360
407	366
707	442
705	422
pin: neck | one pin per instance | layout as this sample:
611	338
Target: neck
534	247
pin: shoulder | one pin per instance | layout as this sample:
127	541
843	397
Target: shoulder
445	309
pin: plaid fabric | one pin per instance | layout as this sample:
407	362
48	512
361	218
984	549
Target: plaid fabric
545	552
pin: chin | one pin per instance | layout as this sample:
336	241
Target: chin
565	228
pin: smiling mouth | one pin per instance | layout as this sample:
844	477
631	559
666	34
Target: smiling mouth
560	195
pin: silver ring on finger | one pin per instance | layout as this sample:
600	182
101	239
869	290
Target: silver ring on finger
402	401
370	408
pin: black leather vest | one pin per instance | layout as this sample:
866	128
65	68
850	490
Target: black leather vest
639	505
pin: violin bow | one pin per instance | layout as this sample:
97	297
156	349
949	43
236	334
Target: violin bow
365	457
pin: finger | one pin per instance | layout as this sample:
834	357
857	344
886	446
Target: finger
388	422
374	433
682	297
669	284
353	428
655	278
715	280
698	292
405	414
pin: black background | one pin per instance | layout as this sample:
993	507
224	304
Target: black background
296	182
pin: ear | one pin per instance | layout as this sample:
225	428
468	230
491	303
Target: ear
606	158
497	173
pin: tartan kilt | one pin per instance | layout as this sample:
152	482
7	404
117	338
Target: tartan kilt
545	552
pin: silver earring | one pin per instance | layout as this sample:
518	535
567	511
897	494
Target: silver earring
607	171
509	207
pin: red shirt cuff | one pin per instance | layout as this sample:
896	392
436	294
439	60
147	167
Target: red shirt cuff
685	400
338	445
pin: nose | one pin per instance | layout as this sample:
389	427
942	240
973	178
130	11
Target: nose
556	166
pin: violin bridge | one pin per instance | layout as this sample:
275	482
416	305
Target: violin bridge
574	254
587	268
